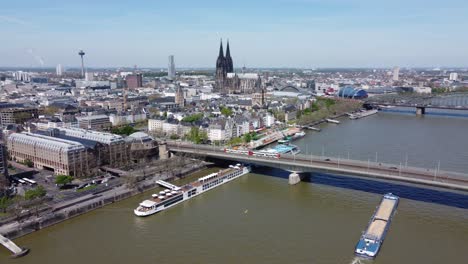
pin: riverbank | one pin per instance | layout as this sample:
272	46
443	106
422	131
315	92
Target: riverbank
88	203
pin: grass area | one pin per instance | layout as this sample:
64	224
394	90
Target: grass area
87	188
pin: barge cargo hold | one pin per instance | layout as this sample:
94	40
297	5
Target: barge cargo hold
372	239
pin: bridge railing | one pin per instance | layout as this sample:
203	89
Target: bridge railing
302	159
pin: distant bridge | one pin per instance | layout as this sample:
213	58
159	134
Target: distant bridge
346	167
450	102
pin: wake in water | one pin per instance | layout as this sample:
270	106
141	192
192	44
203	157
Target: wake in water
357	260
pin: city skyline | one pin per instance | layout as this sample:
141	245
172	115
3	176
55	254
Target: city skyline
273	34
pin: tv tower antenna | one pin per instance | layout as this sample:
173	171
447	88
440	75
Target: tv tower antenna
81	53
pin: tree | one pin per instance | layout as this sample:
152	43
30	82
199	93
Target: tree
125	130
174	137
193	118
28	163
197	136
51	110
247	138
63	179
4	203
37	192
226	111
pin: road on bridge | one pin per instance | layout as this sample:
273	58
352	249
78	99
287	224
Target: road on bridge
305	163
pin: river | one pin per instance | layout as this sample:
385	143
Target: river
260	219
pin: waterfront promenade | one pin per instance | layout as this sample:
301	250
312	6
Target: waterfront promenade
348	167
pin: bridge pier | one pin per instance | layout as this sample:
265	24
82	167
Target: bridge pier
294	178
420	110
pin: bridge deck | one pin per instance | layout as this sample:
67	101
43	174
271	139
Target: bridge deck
445	179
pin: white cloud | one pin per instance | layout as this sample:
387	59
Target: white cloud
13	20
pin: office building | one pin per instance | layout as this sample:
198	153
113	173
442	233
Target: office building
10	116
94	122
4	179
59	70
396	73
22	76
108	149
134	81
453	76
59	155
171	72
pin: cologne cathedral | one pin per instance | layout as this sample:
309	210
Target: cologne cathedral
228	82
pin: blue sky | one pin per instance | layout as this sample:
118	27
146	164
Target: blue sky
265	33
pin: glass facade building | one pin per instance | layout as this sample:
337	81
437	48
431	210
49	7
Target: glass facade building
352	92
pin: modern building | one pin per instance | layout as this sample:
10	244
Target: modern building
422	90
171	71
22	76
89	76
269	120
94	122
18	115
4	178
111	150
396	73
453	76
59	70
134	81
352	92
59	155
155	125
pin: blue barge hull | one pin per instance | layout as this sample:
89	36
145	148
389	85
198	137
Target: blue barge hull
371	240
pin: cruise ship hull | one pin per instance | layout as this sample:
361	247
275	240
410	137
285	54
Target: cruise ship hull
190	192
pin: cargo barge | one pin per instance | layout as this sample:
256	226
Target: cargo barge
372	239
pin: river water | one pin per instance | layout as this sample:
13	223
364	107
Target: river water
260	219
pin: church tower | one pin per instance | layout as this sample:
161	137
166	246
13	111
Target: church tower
179	96
229	64
221	72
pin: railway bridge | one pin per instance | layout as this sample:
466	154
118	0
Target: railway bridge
311	163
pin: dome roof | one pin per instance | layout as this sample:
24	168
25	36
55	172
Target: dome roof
140	135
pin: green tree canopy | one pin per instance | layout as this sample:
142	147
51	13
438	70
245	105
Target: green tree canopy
124	130
63	179
226	111
4	203
37	192
197	136
193	118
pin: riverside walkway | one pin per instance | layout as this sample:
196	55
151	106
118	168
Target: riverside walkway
345	167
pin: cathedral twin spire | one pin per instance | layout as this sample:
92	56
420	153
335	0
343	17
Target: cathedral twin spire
224	63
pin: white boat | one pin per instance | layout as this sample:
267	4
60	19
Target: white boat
363	114
203	184
299	135
332	121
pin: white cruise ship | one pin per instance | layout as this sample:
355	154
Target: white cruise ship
169	198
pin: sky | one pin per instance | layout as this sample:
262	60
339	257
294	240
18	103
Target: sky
262	33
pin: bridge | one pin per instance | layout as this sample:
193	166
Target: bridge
352	168
450	102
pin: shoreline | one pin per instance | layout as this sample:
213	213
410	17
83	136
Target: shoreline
88	204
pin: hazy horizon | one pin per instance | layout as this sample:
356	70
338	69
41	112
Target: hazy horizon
263	34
